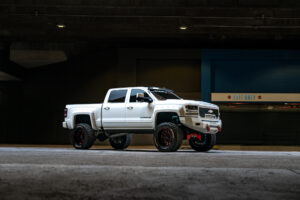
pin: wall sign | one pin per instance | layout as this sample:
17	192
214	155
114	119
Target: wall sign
255	97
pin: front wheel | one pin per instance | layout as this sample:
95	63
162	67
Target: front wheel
121	142
82	136
168	137
205	144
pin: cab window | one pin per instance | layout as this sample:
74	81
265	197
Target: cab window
133	94
117	96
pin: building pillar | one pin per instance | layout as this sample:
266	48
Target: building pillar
4	55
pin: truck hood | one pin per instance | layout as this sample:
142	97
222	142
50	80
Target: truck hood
186	102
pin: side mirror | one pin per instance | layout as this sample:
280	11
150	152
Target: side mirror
148	99
140	97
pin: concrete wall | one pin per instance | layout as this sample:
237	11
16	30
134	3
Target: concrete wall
177	69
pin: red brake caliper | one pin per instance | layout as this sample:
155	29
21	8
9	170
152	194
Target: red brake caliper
190	135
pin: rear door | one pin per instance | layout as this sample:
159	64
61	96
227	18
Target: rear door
113	112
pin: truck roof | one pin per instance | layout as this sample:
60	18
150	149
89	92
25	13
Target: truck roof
145	88
136	87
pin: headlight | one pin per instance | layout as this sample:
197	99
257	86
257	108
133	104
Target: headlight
189	107
191	110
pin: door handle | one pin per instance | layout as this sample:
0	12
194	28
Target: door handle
107	108
130	108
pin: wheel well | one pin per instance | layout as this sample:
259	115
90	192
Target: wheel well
82	119
167	117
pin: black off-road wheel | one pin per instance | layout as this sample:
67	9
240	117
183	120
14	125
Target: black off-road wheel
121	142
82	136
205	144
168	137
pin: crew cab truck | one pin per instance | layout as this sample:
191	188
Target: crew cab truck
132	110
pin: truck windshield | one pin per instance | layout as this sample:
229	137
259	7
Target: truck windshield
161	94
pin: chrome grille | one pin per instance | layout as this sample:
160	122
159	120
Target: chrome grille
203	111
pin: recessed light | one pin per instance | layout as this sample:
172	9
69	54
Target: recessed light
182	27
61	26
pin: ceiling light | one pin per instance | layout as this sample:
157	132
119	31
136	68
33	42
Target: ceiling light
61	26
182	27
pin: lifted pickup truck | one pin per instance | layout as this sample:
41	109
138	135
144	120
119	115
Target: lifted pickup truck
158	111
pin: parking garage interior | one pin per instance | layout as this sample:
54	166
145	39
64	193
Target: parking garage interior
39	96
54	53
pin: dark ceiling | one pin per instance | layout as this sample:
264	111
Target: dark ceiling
33	24
88	20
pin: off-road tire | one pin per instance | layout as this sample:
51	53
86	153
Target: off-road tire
82	136
162	135
121	142
207	142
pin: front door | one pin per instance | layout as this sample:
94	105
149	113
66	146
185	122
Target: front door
138	114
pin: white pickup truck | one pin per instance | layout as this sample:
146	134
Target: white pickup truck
158	111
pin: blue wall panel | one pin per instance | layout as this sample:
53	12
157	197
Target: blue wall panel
250	71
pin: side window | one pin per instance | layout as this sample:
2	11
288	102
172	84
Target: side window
134	92
117	96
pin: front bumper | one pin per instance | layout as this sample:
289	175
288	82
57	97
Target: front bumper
201	124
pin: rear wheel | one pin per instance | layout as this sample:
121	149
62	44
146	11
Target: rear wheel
205	144
121	142
82	136
168	137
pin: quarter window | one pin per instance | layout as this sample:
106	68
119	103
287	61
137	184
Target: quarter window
134	92
117	96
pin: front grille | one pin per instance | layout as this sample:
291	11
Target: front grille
203	111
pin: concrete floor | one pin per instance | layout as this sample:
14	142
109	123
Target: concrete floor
100	173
